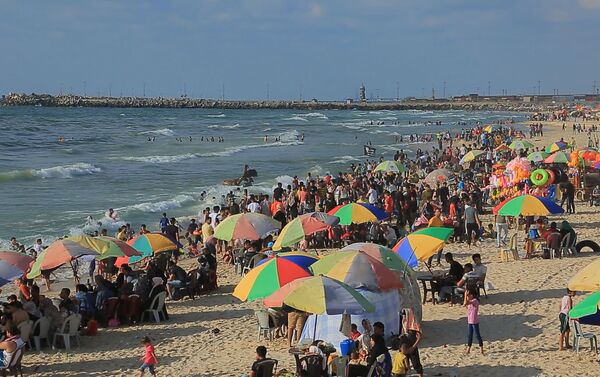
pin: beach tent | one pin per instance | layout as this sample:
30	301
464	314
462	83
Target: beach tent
387	311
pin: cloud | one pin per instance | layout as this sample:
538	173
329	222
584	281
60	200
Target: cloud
589	4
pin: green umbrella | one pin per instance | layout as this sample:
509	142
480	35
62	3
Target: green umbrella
390	167
384	254
520	144
537	156
586	311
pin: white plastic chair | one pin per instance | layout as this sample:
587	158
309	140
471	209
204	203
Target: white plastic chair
43	326
156	308
579	334
341	366
264	327
25	328
567	246
69	329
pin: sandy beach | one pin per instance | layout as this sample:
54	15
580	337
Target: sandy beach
519	323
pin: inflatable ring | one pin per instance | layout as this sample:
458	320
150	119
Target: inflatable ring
587	243
539	177
551	176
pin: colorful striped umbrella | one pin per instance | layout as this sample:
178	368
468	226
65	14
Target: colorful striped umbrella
556	146
383	254
106	247
247	226
587	311
470	156
529	205
57	254
587	279
147	245
491	128
357	269
268	277
304	225
420	245
439	176
558	158
502	148
520	144
390	167
358	213
301	258
320	295
13	265
537	156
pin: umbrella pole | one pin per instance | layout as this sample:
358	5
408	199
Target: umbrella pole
315	329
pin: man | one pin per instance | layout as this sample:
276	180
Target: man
469	274
15	246
67	306
296	321
17	313
262	367
12	343
456	270
501	229
479	268
215	219
388	203
278	191
379	329
189	233
443	196
253	205
265	206
595	197
163	222
207	229
472	223
177	277
37	248
172	230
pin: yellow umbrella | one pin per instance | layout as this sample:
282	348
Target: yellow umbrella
587	279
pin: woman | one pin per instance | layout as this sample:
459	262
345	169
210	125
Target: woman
411	330
380	357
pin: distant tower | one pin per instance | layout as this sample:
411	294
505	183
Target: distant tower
362	94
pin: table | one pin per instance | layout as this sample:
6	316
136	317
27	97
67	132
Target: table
425	277
299	354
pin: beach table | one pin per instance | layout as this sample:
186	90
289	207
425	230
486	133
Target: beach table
299	354
428	278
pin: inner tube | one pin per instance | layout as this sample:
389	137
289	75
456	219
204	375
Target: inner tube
551	176
587	243
539	177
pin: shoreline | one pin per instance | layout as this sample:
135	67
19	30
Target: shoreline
47	100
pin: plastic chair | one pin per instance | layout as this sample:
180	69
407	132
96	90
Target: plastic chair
43	327
267	368
69	329
313	365
264	327
579	334
513	250
14	366
340	364
25	328
156	307
566	246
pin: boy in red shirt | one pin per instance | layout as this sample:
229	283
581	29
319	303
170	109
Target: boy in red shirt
149	360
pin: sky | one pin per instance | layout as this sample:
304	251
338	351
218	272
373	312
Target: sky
292	49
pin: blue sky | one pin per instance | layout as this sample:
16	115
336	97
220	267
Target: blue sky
322	49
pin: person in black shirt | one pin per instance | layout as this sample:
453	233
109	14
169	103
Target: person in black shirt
259	367
278	191
189	234
456	269
172	231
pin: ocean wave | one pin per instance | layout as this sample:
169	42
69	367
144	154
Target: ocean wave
163	205
344	159
296	118
162	131
314	115
161	159
62	171
216	115
267	129
232	126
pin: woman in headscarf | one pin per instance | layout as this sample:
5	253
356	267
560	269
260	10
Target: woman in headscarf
380	357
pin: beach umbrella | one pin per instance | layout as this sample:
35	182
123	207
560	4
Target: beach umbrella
491	128
502	148
247	226
558	157
304	225
596	165
529	205
587	311
556	146
439	176
358	269
263	280
383	254
13	265
358	213
420	245
320	295
106	247
301	258
520	144
471	155
57	254
390	167
537	156
587	279
147	245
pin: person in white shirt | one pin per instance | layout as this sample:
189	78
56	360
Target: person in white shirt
479	268
215	219
372	195
265	206
253	205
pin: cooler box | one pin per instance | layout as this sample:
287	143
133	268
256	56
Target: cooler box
347	346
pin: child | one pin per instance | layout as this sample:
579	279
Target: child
149	359
566	304
354	333
400	363
472	305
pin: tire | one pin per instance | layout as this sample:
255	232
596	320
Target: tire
587	243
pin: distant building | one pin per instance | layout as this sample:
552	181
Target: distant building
362	96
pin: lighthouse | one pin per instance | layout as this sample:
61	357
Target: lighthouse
362	94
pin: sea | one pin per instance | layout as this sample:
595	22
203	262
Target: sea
62	168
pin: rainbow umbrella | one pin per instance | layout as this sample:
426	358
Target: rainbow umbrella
529	205
537	156
558	157
304	225
358	213
383	254
320	295
420	245
268	277
13	265
502	148
520	144
358	269
587	311
247	226
57	254
470	156
301	258
587	279
439	176
106	247
556	146
147	245
390	167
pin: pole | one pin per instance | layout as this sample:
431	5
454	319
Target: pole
397	91
444	89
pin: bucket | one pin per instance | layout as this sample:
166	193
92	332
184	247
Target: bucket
346	346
